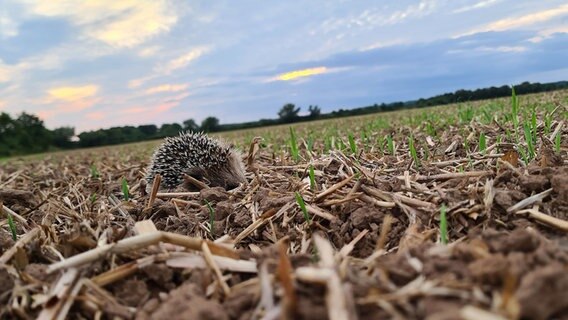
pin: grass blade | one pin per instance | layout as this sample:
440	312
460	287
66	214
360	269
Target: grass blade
302	205
482	143
352	144
294	146
312	178
413	152
12	227
443	225
125	191
390	145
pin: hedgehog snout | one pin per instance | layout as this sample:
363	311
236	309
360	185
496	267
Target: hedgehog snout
232	185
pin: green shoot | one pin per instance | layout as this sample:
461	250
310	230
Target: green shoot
327	144
557	142
310	143
352	144
523	154
294	146
547	124
12	226
93	198
482	143
211	217
443	225
380	143
125	191
514	107
390	145
529	141
413	152
302	205
94	172
312	178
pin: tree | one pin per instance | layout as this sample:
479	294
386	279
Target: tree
61	137
190	125
210	124
33	136
315	111
170	129
8	136
148	130
288	113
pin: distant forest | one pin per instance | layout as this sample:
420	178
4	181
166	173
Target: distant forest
27	134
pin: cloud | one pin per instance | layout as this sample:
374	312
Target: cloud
167	68
8	28
135	83
183	60
2	104
149	51
370	18
11	72
167	88
72	99
133	110
292	75
124	23
522	21
166	106
45	114
505	49
73	93
97	115
479	5
548	32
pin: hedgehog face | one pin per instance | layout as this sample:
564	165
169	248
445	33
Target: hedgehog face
229	176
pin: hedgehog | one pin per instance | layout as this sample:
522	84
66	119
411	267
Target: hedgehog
199	156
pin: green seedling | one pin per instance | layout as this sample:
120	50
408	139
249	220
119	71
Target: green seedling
514	107
302	205
94	172
482	143
125	191
310	143
12	227
312	178
390	145
529	141
413	152
352	144
443	225
294	151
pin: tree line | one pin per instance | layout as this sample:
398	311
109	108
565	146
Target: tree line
27	134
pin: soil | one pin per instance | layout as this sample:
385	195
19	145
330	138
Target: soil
380	243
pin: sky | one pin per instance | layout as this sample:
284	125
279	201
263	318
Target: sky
94	64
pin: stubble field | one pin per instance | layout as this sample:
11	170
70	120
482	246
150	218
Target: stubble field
453	212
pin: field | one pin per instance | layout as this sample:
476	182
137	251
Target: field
451	212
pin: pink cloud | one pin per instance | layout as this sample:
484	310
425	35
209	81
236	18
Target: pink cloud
166	106
97	115
46	114
133	110
78	105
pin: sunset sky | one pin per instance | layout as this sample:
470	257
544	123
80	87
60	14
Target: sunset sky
101	63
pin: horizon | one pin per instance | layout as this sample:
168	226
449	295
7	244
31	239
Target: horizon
105	64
